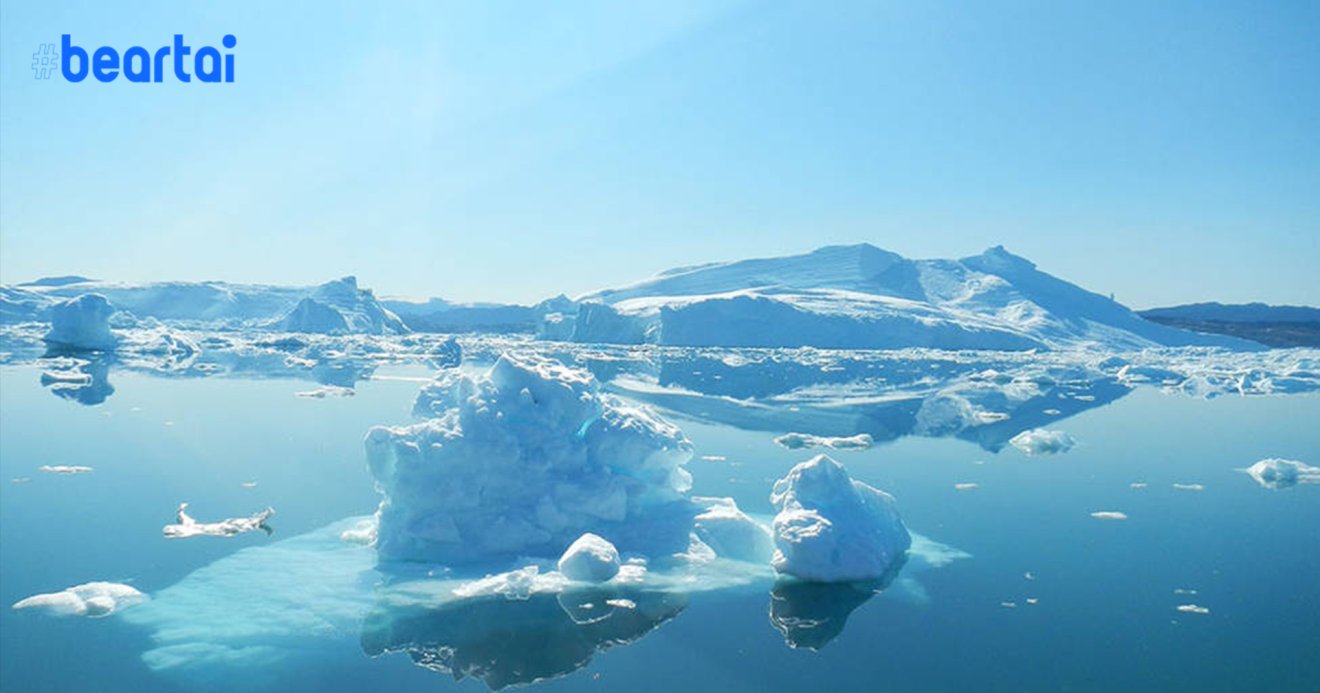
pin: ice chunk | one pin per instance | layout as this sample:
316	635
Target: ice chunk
1109	515
82	323
326	391
730	533
590	559
831	528
188	527
64	469
340	307
798	441
1274	473
94	600
1193	609
1039	441
523	460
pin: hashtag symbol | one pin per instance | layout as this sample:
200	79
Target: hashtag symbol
45	61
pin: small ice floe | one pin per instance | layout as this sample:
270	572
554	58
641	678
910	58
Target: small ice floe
1188	487
1137	485
1181	590
20	480
1193	609
798	441
1109	515
1274	473
248	484
590	559
966	487
64	469
363	533
1008	605
94	600
1051	412
1029	575
187	527
1033	601
327	391
1039	441
621	603
714	458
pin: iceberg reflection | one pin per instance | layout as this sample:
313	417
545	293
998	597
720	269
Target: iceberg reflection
506	642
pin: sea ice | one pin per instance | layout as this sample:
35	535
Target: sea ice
1039	441
93	599
831	528
82	323
731	533
590	559
326	391
1274	473
187	527
523	460
1109	515
798	441
64	469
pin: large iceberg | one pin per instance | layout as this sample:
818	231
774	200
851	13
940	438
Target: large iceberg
340	307
523	460
831	528
82	323
862	297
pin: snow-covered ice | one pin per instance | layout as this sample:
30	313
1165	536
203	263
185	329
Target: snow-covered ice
523	460
589	559
1275	473
831	528
799	441
93	599
82	323
1039	441
186	527
65	469
1109	515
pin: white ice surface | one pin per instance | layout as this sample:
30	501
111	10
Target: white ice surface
831	528
1039	441
186	527
1274	473
82	323
93	599
590	559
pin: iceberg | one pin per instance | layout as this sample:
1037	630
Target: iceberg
831	528
798	441
340	307
186	527
1039	441
82	323
1274	473
863	297
731	533
93	599
590	559
522	461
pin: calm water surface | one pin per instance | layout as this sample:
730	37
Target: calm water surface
1104	616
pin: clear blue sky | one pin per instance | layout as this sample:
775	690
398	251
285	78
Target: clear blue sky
1164	151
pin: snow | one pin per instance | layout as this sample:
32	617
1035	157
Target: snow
93	599
589	559
1039	441
831	528
731	533
1275	473
798	441
860	296
186	527
522	460
82	323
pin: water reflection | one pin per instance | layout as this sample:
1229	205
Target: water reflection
506	642
85	379
812	614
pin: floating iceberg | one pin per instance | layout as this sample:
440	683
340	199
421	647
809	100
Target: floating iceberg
64	469
1039	441
831	528
186	527
590	559
94	600
1275	473
522	461
340	307
82	323
731	533
798	441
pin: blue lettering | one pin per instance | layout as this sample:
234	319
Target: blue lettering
141	65
143	71
105	64
181	51
68	52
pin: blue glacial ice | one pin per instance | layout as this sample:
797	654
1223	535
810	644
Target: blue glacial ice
82	323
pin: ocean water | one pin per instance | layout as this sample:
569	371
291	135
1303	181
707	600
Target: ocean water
1046	597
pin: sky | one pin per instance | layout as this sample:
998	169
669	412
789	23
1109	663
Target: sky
507	151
